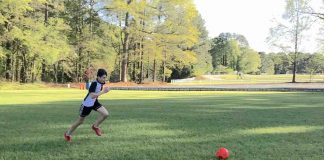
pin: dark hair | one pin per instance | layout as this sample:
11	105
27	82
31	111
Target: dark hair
101	72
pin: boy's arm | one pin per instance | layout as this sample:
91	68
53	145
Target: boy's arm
92	90
96	95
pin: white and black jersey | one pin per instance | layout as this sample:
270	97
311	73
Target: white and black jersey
95	87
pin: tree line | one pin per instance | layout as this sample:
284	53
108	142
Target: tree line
135	40
231	52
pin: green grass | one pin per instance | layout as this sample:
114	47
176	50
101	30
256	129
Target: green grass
164	125
21	86
254	79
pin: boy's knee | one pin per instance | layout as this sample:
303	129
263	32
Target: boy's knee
105	115
81	121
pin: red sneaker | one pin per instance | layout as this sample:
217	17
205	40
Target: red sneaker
67	137
97	130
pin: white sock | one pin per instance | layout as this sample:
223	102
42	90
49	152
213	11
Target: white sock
68	132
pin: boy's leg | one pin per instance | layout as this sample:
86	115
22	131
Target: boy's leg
75	125
103	114
68	133
84	111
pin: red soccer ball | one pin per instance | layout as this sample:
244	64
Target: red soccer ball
222	153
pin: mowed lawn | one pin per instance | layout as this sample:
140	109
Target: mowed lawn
164	125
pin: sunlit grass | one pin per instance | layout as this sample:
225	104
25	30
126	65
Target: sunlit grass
281	130
52	95
21	86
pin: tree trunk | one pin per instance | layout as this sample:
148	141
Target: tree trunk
13	68
33	75
294	72
164	65
124	59
17	69
80	72
120	67
91	16
141	61
141	76
141	69
55	72
79	66
8	67
125	47
135	63
76	72
62	75
148	66
134	70
46	14
296	44
154	70
43	76
24	68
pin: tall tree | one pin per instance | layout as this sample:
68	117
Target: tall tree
204	59
225	50
292	29
315	64
249	61
125	12
133	39
267	64
86	36
27	38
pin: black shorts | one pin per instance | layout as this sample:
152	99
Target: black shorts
85	110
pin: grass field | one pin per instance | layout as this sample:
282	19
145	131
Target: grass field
164	125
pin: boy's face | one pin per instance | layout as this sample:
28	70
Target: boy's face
102	79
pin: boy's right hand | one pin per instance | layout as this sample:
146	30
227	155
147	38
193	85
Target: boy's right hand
106	89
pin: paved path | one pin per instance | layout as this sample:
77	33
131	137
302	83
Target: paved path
306	87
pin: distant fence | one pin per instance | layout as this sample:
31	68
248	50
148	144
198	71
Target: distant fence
182	80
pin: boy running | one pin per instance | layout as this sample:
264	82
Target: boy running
91	103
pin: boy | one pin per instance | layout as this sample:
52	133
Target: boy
91	103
